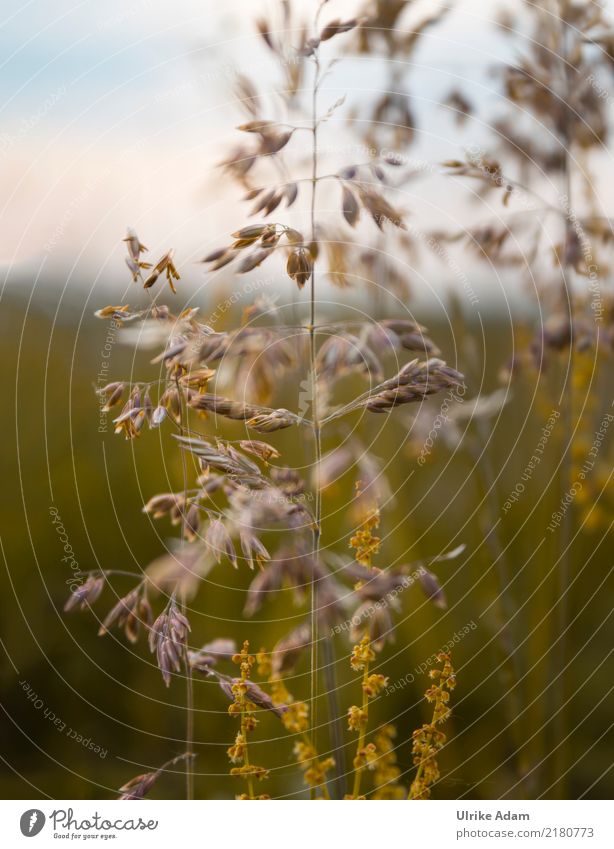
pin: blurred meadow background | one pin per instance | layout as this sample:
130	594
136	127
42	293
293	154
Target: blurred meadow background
118	116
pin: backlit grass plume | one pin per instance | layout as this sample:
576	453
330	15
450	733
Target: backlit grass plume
242	502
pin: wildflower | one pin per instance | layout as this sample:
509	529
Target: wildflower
362	655
314	769
236	752
248	771
296	718
385	770
374	684
364	542
315	774
429	740
264	667
245	695
358	717
280	694
365	757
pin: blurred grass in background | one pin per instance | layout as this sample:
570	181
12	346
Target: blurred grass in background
110	692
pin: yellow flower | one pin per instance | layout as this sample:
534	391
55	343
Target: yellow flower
237	751
296	718
362	654
364	542
357	718
366	757
374	685
428	740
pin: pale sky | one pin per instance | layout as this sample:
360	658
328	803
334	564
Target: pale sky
115	114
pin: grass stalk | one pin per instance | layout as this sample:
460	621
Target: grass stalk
189	769
560	762
315	425
362	734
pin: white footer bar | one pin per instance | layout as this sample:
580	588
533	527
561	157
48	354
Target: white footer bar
268	825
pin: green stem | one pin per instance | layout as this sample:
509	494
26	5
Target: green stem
189	770
363	733
317	435
316	426
510	673
560	661
250	779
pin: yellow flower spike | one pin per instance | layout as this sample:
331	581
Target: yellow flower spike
428	740
358	717
362	655
386	773
264	668
374	685
364	542
244	708
296	720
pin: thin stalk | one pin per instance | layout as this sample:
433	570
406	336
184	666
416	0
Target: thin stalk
363	733
510	673
189	770
244	732
322	787
188	756
189	773
316	426
564	570
336	720
417	778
